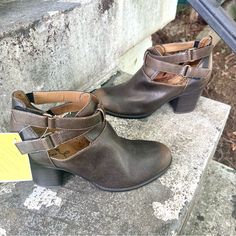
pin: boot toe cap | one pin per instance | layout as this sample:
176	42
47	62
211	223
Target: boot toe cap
159	157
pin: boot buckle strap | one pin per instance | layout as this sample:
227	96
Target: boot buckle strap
190	54
50	121
102	113
185	70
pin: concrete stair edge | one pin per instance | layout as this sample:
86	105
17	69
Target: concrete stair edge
215	210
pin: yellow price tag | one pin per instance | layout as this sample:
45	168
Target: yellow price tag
13	165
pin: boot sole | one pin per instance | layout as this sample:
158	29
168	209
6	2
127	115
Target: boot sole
104	188
136	186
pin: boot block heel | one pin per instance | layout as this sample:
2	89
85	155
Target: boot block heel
186	103
44	177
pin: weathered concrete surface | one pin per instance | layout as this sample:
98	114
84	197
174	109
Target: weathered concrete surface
132	60
57	44
215	211
156	209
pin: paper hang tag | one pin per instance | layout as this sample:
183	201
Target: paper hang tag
13	165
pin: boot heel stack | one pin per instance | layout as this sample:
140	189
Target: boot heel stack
186	103
46	177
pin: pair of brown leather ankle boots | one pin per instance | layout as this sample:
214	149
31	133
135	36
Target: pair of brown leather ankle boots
75	137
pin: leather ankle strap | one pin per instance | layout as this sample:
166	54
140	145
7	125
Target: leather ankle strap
64	128
50	141
183	51
53	122
190	55
184	70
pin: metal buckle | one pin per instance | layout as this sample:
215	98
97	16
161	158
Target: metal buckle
49	142
50	121
185	71
47	139
102	113
145	56
190	54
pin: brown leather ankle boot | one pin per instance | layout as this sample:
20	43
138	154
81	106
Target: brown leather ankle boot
175	73
75	137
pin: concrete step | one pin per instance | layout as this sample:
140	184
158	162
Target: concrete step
160	208
78	45
57	44
214	212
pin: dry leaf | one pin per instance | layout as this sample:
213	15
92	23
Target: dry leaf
233	146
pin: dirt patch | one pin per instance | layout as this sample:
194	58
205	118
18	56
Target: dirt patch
222	85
